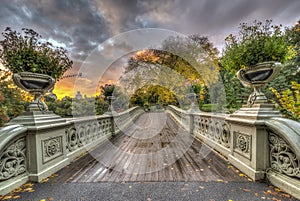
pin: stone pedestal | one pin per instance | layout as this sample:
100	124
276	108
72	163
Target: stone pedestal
45	142
37	118
249	139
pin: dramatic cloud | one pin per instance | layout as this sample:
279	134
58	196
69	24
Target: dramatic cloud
82	25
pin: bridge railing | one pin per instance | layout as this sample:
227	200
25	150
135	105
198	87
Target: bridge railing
32	153
260	147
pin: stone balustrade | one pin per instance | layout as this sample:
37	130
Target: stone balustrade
32	153
256	140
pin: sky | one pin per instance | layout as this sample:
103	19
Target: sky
81	26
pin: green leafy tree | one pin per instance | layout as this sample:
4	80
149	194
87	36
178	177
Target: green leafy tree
26	51
13	99
289	101
255	43
153	95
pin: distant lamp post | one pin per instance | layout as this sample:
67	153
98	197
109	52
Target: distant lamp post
256	77
110	107
192	97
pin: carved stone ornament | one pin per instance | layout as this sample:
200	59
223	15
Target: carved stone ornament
52	148
243	143
282	157
13	160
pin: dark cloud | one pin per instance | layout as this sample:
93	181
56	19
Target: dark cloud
74	23
81	25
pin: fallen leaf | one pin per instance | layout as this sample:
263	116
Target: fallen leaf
278	190
28	185
42	200
149	199
50	199
286	195
16	197
246	190
201	187
129	186
7	197
18	190
45	180
219	180
27	189
241	175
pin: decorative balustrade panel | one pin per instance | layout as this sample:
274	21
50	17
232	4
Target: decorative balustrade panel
282	157
13	160
83	133
216	129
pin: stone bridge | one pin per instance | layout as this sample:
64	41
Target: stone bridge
253	144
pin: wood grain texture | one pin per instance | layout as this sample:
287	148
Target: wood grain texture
155	148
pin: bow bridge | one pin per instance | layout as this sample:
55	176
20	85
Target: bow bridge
175	145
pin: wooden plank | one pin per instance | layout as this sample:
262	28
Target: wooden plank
169	155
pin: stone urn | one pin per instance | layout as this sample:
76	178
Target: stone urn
36	84
256	77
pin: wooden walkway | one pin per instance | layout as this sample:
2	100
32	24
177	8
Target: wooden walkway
155	148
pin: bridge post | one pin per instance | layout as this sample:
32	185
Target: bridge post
191	123
45	141
249	139
113	125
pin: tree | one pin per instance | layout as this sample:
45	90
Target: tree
255	43
26	52
107	90
153	95
289	101
13	99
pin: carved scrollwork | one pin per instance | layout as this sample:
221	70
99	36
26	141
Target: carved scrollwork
13	160
243	143
225	137
216	129
52	148
72	139
282	157
86	133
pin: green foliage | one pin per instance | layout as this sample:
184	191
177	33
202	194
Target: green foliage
12	99
254	44
289	101
27	52
194	58
68	107
3	116
153	95
107	90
